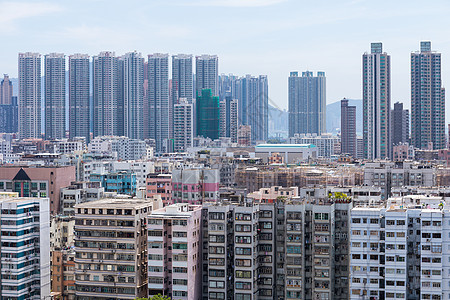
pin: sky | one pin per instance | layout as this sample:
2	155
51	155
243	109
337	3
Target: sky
271	37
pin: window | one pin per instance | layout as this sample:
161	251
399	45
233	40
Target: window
243	285
321	216
243	228
216	273
182	246
242	251
216	238
266	225
243	262
216	284
214	295
216	216
217	261
243	239
243	217
243	274
216	250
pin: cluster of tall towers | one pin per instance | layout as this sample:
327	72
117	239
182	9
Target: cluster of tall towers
382	126
128	96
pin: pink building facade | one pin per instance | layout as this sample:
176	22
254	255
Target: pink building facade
160	184
195	186
174	241
42	182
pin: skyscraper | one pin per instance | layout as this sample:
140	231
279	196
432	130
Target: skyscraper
207	118
348	128
158	97
108	107
79	108
182	83
182	77
400	124
183	129
427	99
228	86
307	103
377	103
207	74
29	95
6	90
252	95
133	95
9	116
229	118
55	96
258	107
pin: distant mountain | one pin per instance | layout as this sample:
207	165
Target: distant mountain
334	116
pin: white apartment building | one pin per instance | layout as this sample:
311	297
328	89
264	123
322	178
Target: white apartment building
126	148
140	168
25	247
388	175
400	250
79	192
68	147
183	125
174	243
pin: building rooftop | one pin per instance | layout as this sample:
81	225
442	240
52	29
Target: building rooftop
116	203
175	210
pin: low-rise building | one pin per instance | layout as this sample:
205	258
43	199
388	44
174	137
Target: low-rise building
45	182
79	192
326	143
122	182
126	148
292	153
195	186
160	184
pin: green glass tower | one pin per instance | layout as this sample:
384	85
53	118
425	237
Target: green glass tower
207	115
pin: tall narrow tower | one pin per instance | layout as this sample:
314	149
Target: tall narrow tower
377	103
133	95
348	128
55	96
29	95
182	84
427	99
108	107
307	103
207	74
158	97
6	90
79	108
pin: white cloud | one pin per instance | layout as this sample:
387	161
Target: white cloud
234	3
11	12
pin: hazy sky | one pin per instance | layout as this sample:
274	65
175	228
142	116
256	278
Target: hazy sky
270	37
